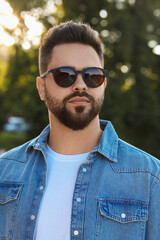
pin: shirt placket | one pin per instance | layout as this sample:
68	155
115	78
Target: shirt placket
31	223
78	205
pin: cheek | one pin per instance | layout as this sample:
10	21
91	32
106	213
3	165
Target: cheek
97	93
58	93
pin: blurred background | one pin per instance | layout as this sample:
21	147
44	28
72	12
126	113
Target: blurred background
130	31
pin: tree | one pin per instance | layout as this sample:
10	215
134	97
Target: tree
130	33
127	29
20	86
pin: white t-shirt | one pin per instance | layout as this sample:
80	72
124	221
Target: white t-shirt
54	216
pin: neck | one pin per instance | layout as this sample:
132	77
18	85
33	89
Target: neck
67	141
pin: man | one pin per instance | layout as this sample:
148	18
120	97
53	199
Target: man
77	180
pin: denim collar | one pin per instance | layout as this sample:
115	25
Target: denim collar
107	147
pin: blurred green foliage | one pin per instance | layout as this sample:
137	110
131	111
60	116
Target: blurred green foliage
9	140
132	100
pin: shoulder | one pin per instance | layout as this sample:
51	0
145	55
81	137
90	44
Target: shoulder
17	153
133	159
125	157
22	153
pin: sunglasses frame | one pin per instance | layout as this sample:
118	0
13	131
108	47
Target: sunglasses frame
104	71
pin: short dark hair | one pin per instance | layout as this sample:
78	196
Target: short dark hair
67	32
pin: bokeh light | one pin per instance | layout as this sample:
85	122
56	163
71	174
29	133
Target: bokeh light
103	13
7	21
156	50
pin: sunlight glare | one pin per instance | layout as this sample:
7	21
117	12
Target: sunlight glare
36	41
26	45
156	50
6	8
17	32
35	30
9	21
50	8
29	21
5	39
7	18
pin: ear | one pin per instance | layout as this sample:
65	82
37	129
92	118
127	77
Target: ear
41	88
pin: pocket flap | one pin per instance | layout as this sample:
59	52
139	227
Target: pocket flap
123	210
9	191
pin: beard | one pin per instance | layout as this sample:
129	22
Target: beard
78	119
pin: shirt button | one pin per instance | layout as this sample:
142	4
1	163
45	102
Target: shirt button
84	169
123	215
76	232
33	217
41	187
78	199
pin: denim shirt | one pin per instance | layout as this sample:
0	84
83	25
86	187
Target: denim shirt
119	188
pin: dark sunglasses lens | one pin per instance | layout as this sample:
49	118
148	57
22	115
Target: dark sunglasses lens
94	77
64	77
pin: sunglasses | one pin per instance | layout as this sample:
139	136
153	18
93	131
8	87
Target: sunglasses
66	76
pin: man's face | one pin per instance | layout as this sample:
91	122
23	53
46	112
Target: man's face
75	106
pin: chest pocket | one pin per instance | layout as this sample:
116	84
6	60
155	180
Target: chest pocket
121	219
123	211
9	198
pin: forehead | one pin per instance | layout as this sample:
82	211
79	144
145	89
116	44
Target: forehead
77	55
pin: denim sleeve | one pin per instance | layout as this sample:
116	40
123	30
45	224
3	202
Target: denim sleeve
153	223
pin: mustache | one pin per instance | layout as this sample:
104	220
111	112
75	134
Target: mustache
78	94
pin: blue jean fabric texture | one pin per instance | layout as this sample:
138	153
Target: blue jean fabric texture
119	187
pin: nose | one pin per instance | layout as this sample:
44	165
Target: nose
79	85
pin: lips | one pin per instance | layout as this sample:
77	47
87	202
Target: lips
79	100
